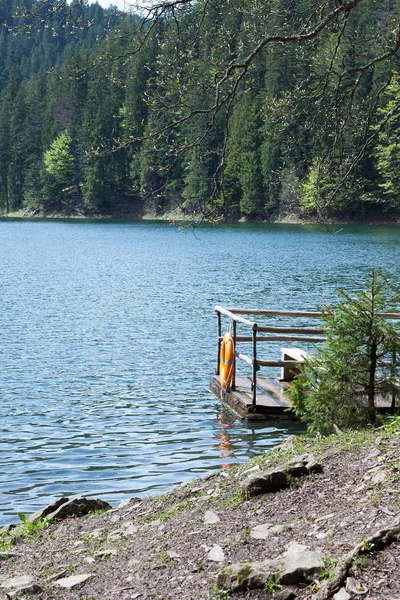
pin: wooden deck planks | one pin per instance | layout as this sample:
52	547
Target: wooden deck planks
271	402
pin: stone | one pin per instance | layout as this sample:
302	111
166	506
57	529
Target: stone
247	576
124	503
131	530
173	554
379	477
19	586
285	594
22	581
58	575
288	444
8	528
278	478
248	471
342	595
300	565
78	507
115	518
210	518
7	555
375	452
47	510
277	529
73	581
313	466
266	481
325	517
261	532
105	553
216	554
354	587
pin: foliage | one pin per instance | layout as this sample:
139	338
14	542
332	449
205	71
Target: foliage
5	542
33	529
272	584
58	159
198	107
341	382
219	594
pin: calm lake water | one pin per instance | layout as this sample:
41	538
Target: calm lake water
108	342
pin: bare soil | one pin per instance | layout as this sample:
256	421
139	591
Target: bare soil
158	548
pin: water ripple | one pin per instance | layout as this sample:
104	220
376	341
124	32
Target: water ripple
108	342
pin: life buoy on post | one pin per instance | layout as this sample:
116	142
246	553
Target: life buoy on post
226	361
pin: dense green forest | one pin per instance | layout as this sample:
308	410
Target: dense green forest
222	107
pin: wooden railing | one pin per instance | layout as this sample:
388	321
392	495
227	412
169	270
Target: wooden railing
299	335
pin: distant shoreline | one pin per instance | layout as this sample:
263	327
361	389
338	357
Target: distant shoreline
176	215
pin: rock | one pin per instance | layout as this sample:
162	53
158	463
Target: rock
124	503
73	581
216	554
210	518
379	477
58	575
288	444
277	529
312	465
248	471
173	554
342	595
285	594
131	530
7	555
375	452
276	479
261	532
354	587
300	564
64	507
325	517
115	535
105	553
266	481
78	507
8	528
21	585
47	510
115	518
337	430
247	576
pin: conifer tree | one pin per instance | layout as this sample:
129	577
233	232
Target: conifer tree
342	382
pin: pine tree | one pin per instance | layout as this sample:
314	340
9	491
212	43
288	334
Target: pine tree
341	383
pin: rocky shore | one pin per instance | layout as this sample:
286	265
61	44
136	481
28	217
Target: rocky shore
311	520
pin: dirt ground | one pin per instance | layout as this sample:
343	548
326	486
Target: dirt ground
172	547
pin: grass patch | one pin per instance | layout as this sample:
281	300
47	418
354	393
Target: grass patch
327	571
5	542
219	594
32	530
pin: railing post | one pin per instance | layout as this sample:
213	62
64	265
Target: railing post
254	402
219	341
234	358
393	373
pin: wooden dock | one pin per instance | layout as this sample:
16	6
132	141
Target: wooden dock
256	397
271	402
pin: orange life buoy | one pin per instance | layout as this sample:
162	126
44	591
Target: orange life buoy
226	361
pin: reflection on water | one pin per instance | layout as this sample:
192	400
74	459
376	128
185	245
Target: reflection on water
225	445
108	341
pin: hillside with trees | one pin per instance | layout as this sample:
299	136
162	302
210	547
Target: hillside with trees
221	107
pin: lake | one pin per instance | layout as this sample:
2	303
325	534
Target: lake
108	342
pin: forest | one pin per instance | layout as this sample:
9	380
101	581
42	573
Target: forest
224	108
